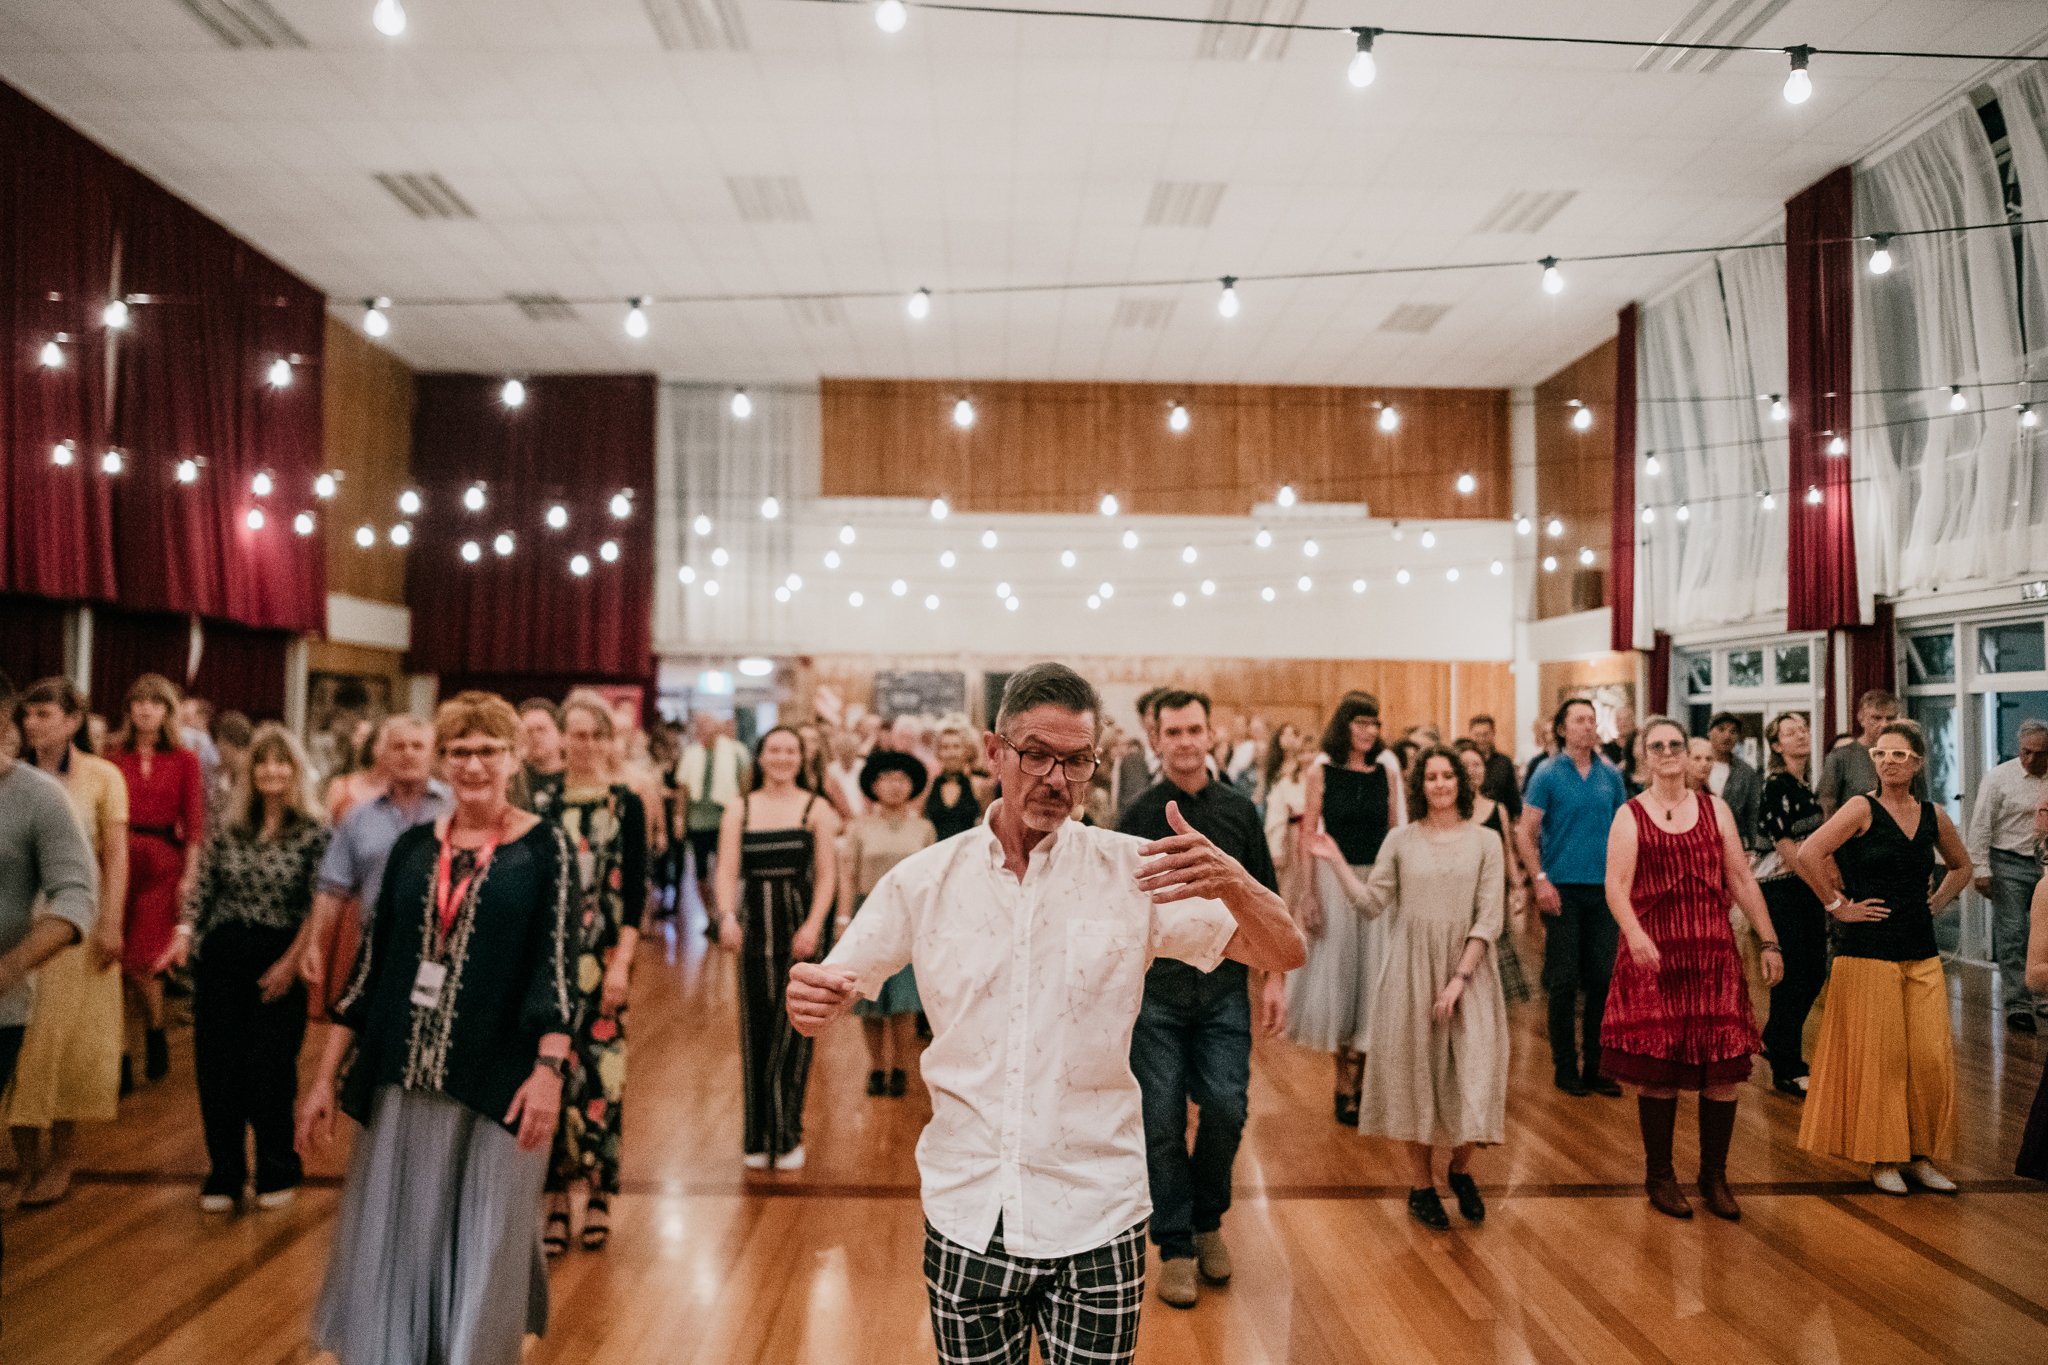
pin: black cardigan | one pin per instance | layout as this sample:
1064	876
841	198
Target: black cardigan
507	983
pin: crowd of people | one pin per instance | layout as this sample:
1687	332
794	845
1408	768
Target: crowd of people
1087	925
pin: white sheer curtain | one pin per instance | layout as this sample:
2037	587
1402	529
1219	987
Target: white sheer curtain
2023	96
1943	496
712	464
1707	350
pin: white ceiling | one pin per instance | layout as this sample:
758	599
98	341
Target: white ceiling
975	150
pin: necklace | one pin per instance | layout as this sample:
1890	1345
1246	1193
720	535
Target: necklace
1664	812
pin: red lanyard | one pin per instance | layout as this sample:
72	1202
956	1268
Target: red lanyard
448	898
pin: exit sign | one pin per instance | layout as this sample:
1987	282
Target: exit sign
2036	591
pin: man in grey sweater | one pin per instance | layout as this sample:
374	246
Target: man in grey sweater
49	886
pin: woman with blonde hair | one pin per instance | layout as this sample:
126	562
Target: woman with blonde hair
245	922
166	831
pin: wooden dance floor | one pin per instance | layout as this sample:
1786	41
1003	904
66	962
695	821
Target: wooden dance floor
712	1266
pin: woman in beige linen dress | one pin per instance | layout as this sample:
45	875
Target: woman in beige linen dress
1436	1030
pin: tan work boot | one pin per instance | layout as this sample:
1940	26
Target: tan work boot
1177	1283
1212	1256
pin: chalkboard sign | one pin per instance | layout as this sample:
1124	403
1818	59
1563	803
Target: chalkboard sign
929	695
992	685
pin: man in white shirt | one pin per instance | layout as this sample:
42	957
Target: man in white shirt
712	773
2002	846
1032	935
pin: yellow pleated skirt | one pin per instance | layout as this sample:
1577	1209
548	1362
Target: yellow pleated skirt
1883	1086
70	1067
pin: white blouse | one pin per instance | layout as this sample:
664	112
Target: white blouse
1032	989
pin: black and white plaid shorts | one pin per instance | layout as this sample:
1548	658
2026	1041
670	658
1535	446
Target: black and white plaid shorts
986	1304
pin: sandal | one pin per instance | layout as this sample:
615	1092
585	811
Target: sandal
555	1240
597	1223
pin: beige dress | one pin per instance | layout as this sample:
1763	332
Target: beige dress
1425	1081
874	844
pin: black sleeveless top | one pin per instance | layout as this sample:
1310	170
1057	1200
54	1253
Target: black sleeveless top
1883	864
1356	808
952	817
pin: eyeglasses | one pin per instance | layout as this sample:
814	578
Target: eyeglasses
1038	763
1664	746
474	752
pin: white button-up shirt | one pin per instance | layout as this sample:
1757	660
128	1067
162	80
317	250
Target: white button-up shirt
1032	989
2003	817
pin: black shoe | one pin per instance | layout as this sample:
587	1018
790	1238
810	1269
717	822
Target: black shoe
1571	1085
156	1050
898	1083
878	1083
1427	1209
1790	1085
1347	1110
1602	1085
1470	1205
2020	1021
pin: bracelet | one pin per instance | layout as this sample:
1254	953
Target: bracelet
558	1065
1771	948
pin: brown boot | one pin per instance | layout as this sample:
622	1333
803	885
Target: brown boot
1717	1125
1719	1199
1667	1198
1656	1118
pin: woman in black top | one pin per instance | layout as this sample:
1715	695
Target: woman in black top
460	1010
1787	814
1884	1074
951	804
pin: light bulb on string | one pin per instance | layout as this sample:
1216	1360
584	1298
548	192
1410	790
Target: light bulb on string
1778	409
1130	540
1266	594
1226	302
742	406
1649	515
832	560
1402	577
324	486
1358	585
1106	591
471	552
919	305
1813	497
1390	417
1466	484
401	535
846	535
1798	85
702	525
1012	603
1651	466
409	502
579	565
52	356
1838	444
366	536
1180	599
1208	587
781	593
187	471
1108	506
255	519
112	463
513	394
262	484
1768	501
504	545
2028	417
1550	563
558	517
62	453
376	322
1285	497
940	509
1002	590
1553	278
720	557
389	17
1684	512
1496	568
1554	528
963	414
609	552
115	314
1429	540
1881	253
1956	401
931	601
1582	416
1067	559
891	16
473	497
1586	555
1264	539
1450	575
947	559
303	523
711	588
1177	418
1304	583
795	582
636	317
899	588
686	575
1363	68
622	504
1523	526
771	508
988	540
280	373
1188	554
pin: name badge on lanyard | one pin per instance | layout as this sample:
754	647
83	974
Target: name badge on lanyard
448	896
426	987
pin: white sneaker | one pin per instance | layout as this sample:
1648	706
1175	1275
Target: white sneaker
216	1203
791	1160
755	1161
1923	1173
1888	1179
277	1199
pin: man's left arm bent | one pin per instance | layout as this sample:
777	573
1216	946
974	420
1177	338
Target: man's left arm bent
1186	865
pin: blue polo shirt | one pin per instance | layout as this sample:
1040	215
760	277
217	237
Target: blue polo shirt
1577	813
354	865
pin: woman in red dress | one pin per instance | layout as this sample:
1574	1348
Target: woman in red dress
166	830
1678	1007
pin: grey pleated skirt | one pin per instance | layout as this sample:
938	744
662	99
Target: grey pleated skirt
1326	997
437	1257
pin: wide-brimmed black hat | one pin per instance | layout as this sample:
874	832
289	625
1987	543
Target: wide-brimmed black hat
890	761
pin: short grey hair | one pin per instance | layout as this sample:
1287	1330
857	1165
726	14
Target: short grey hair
1048	684
2032	727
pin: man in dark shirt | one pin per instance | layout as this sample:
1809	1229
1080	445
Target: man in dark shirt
1193	1039
1502	781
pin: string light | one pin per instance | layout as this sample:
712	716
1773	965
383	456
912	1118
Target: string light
1813	495
1363	68
261	485
686	575
1390	417
1429	540
1066	559
1177	418
1401	576
1226	302
771	508
609	552
720	557
409	502
579	565
472	552
1778	409
1550	563
1553	278
963	414
1450	575
473	497
1180	599
854	599
1106	591
2028	417
389	17
795	582
255	519
1881	255
1266	594
504	544
1002	589
742	406
1649	515
988	540
558	517
711	588
1310	549
401	535
1012	603
1582	416
1208	587
891	16
111	462
832	560
376	322
846	536
1466	484
366	536
1264	539
1496	568
1358	585
1554	529
187	471
1304	583
52	356
622	504
636	317
948	559
899	587
280	373
1188	554
1838	445
1769	501
303	523
513	394
1586	554
115	314
61	453
1130	540
1285	497
1684	512
1651	467
940	509
702	525
1798	85
1956	401
781	594
1108	505
1523	526
931	602
919	305
324	485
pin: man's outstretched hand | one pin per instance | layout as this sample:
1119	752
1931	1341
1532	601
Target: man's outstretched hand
817	995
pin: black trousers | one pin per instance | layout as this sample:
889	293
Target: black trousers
1802	928
1578	958
246	1054
10	1053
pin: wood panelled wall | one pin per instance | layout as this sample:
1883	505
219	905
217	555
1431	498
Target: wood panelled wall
366	400
1058	447
1574	481
1411	691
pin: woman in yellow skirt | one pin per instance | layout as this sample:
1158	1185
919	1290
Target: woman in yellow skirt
1883	1079
70	1065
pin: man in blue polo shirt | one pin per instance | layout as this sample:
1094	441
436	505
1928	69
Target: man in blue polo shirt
1566	814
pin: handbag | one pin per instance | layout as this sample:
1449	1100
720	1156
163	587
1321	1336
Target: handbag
702	816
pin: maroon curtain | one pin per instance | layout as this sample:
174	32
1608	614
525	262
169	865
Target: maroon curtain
60	197
1873	654
31	638
242	669
577	440
1820	265
1660	675
1621	524
128	644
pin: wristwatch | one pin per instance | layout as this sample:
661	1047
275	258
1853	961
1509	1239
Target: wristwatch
558	1065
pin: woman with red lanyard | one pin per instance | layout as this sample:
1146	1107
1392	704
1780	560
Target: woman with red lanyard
166	831
459	1009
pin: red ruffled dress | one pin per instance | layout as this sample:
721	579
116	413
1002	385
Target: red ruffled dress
1686	1025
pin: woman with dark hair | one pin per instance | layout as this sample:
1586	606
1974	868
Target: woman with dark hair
1435	1033
166	830
1677	1014
1884	1073
246	924
605	827
891	831
1353	794
1488	813
1787	813
69	1069
458	1011
777	880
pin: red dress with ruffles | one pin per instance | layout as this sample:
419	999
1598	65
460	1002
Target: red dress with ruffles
1687	1024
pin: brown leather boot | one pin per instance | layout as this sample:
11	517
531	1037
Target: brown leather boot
1667	1198
1717	1125
1656	1118
1719	1199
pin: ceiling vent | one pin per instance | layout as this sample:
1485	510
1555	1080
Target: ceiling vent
244	23
1228	43
1526	211
1709	21
817	311
697	25
769	198
1415	318
1145	315
425	194
1184	203
544	307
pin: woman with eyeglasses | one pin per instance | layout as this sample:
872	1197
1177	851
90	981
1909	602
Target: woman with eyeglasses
1787	814
459	1012
1883	1088
777	882
1677	1015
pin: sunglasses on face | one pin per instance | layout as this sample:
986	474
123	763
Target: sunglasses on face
1665	746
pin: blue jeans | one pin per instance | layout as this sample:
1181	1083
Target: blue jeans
2013	878
1193	1041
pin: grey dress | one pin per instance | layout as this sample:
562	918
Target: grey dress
1425	1081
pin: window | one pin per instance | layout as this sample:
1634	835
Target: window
1931	658
1745	668
1753	680
1792	665
2011	649
1699	675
